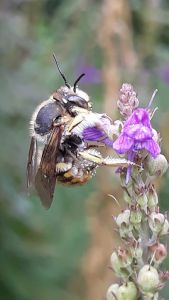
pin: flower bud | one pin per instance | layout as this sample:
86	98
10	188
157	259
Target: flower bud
165	228
127	198
152	199
121	262
158	223
123	222
123	218
112	292
142	201
148	279
127	291
159	252
135	216
150	296
128	100
136	252
156	166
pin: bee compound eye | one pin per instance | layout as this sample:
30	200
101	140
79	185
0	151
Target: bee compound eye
78	101
74	98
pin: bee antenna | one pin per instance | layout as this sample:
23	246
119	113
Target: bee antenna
63	76
77	80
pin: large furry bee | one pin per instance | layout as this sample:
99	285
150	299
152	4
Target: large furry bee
57	152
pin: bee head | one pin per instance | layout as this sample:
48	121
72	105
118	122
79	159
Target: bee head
72	95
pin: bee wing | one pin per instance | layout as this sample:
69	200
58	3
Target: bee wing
32	161
45	178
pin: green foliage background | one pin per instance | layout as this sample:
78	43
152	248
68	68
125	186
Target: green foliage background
41	250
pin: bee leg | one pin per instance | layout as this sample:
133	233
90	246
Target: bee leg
92	155
63	167
95	156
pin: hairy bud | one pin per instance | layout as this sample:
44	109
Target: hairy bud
112	292
148	279
124	224
128	100
121	262
142	201
127	291
158	223
156	166
152	199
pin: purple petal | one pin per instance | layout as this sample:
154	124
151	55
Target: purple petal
123	144
92	134
138	132
152	147
108	142
139	116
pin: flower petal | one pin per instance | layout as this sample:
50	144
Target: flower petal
92	134
95	134
138	132
152	147
123	144
139	116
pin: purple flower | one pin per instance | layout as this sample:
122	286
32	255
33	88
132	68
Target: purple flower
97	135
99	132
95	127
92	74
137	134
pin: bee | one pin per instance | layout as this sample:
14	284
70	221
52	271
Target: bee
57	151
52	155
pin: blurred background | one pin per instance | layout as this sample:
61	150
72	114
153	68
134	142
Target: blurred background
63	253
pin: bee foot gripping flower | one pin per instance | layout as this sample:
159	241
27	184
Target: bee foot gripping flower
141	225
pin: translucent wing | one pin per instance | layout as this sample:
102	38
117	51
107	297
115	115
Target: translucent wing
32	161
45	178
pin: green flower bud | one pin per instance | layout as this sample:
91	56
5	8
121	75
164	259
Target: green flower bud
121	262
116	263
148	279
137	253
158	223
112	292
152	199
135	216
165	228
127	291
123	222
123	218
142	201
127	198
156	166
150	296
